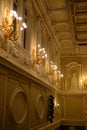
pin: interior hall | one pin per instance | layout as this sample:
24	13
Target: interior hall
43	64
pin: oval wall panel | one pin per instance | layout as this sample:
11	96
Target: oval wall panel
40	106
18	105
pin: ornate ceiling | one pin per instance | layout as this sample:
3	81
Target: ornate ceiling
68	19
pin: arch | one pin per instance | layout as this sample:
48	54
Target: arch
73	72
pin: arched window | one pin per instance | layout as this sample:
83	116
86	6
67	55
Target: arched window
15	3
15	6
38	37
17	12
25	20
2	4
28	19
43	42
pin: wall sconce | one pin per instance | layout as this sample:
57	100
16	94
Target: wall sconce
41	54
84	82
61	75
55	73
53	66
56	105
11	24
21	24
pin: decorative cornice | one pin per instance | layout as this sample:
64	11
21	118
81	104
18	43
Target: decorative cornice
28	73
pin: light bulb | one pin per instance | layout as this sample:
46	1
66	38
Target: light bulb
38	45
45	55
11	13
21	28
24	25
20	18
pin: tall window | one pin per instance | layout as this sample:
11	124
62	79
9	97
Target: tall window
38	39
25	20
43	42
15	5
15	9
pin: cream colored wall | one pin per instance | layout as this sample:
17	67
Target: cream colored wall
74	100
74	109
76	64
24	101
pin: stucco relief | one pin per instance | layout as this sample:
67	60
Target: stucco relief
40	70
15	52
28	61
74	81
73	72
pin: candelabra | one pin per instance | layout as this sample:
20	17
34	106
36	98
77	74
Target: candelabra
41	54
54	73
53	67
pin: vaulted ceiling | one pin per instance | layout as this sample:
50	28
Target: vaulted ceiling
69	21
